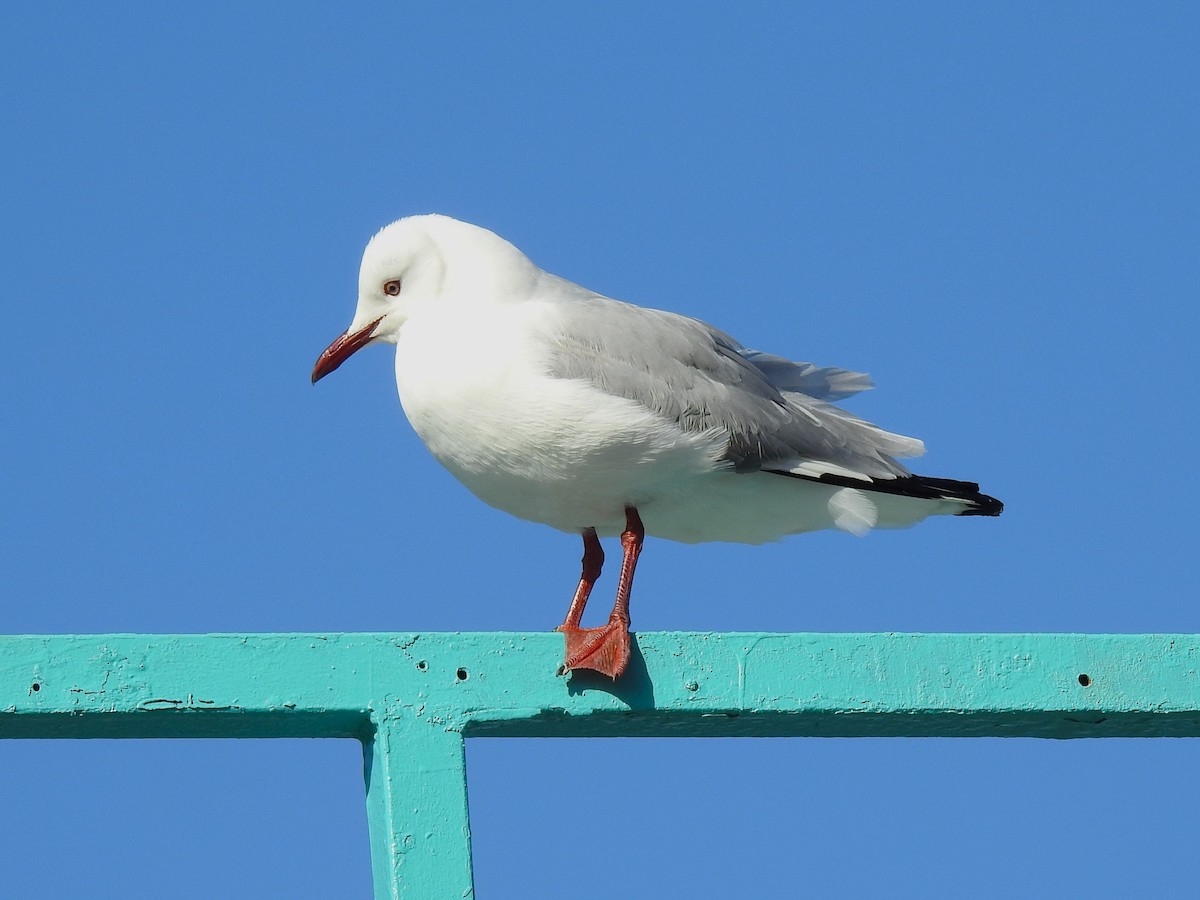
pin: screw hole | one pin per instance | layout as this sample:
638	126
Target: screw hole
461	674
422	665
1085	680
36	687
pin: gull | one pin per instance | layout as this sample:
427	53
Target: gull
600	418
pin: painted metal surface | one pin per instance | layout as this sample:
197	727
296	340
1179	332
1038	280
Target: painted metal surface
412	699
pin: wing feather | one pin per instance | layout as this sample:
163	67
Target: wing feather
773	412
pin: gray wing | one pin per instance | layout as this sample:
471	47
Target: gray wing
771	410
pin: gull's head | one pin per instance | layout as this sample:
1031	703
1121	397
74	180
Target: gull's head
416	263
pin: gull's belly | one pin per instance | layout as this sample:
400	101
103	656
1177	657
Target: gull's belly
556	451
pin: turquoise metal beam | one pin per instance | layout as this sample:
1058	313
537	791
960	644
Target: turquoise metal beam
417	810
504	684
412	699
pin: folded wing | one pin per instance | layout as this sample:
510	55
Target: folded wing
772	412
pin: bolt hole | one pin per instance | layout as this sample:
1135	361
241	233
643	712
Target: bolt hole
1085	680
461	674
422	665
36	686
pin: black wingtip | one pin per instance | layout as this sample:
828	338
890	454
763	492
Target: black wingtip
949	489
984	506
920	487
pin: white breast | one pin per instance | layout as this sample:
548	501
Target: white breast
546	449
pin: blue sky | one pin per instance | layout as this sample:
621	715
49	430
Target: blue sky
991	208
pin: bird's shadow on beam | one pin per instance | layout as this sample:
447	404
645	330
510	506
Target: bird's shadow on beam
633	688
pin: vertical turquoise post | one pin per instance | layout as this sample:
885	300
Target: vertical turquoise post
417	809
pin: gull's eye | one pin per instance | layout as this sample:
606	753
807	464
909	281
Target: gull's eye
392	288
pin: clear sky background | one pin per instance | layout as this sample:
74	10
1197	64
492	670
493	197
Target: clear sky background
994	209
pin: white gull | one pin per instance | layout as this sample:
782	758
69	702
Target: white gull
561	406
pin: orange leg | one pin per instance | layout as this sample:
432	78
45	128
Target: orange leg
604	649
593	562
